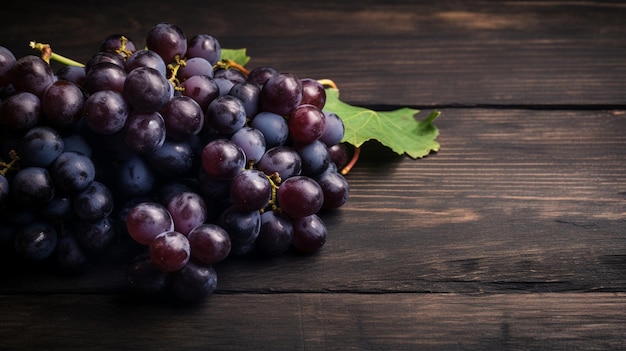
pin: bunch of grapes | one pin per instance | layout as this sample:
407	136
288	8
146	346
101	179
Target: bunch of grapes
195	158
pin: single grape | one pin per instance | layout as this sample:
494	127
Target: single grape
135	177
72	171
144	132
77	143
222	159
203	89
146	220
334	129
36	241
273	126
59	208
70	257
281	94
248	94
260	75
146	58
234	75
282	160
98	236
195	66
194	282
313	93
276	233
146	89
144	278
315	158
167	40
32	74
210	243
250	190
7	62
300	196
223	84
226	114
32	187
335	188
242	227
106	112
170	251
115	42
94	202
40	146
339	154
74	74
173	158
105	76
21	111
306	124
309	233
188	210
205	46
104	56
183	117
251	141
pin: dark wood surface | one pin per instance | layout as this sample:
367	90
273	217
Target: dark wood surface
511	237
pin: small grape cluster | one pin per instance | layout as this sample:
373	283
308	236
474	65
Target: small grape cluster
195	158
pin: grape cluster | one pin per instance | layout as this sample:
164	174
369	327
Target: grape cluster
194	158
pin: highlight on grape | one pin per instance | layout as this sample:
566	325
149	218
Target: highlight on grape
190	158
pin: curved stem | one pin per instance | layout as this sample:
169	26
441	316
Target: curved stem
328	82
47	55
353	160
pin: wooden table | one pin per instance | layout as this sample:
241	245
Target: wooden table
511	237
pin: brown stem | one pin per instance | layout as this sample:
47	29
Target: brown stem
355	157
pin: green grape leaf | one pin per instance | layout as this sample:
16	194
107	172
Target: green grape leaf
397	129
237	55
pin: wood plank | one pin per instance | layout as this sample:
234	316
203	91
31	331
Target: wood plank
426	53
328	321
516	200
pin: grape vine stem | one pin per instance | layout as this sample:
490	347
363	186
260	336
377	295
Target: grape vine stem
47	55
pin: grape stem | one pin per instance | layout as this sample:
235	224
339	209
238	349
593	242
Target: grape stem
5	167
226	64
173	68
275	180
47	55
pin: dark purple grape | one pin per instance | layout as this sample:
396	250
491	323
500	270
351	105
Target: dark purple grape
205	46
7	62
74	74
210	243
170	251
106	112
39	147
222	159
226	114
32	187
59	208
235	76
146	89
70	257
146	58
183	117
135	177
105	76
114	43
195	66
36	241
300	196
306	124
313	93
72	171
260	75
167	40
94	202
273	126
146	220
144	132
188	210
281	94
334	129
194	282
32	74
21	111
315	158
251	141
248	94
62	103
173	158
282	160
97	236
276	234
339	154
242	227
104	56
335	188
250	190
144	278
202	89
309	233
224	85
77	143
